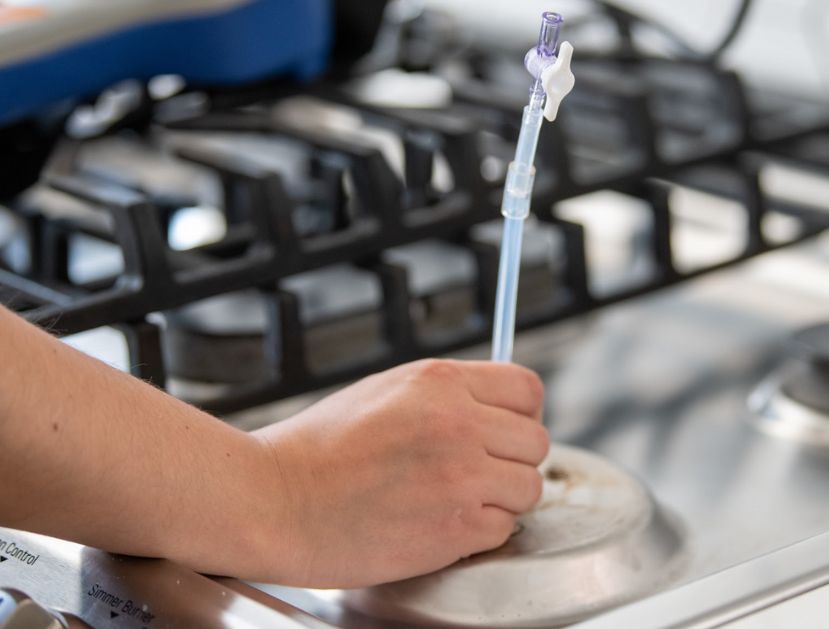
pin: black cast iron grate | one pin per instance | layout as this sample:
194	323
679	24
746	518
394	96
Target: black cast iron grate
636	127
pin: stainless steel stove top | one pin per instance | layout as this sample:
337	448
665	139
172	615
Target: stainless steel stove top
660	386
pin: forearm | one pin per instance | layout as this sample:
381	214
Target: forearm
97	456
399	474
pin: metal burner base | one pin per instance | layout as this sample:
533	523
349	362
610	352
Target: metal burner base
596	540
776	412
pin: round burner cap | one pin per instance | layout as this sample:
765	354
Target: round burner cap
595	540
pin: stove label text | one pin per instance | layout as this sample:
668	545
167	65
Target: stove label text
13	551
126	606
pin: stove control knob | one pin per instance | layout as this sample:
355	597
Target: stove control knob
18	611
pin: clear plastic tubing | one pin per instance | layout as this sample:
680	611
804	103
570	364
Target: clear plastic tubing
518	190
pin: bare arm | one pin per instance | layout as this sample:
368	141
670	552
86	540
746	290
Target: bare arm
400	474
99	457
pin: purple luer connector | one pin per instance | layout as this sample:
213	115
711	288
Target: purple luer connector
543	54
548	37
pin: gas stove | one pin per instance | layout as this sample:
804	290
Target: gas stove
663	389
251	249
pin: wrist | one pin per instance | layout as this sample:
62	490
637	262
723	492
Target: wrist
244	527
279	538
276	537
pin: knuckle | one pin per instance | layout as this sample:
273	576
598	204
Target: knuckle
529	383
535	388
433	369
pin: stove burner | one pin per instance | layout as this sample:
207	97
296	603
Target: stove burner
812	387
794	402
339	307
596	540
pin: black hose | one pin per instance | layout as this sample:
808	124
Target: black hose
736	26
624	19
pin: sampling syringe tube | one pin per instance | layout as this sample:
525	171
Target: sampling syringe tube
507	296
515	208
518	188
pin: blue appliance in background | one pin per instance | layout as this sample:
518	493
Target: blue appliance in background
57	54
52	50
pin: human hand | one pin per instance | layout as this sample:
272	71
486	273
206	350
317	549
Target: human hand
406	472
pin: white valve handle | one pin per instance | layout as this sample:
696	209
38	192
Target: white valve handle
558	80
